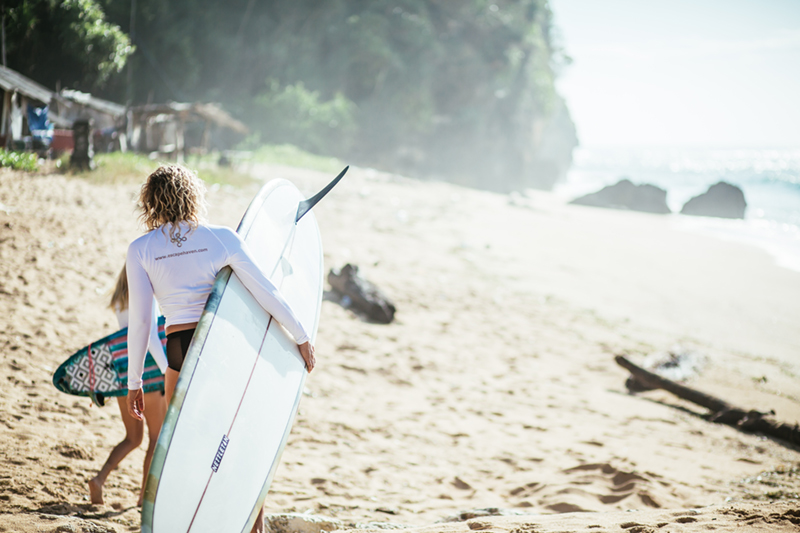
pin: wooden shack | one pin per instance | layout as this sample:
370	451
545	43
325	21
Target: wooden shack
16	93
177	129
108	119
74	105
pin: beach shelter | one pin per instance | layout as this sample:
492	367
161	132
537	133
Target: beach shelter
18	94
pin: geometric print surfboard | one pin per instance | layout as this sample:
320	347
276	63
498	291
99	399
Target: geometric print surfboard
103	371
93	373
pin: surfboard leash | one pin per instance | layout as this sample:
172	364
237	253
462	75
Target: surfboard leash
91	371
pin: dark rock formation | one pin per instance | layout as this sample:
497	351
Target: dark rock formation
626	195
361	295
721	200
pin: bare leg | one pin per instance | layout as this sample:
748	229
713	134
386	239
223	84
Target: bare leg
170	379
258	527
134	431
154	416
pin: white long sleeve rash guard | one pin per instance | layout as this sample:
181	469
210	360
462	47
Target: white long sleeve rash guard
180	272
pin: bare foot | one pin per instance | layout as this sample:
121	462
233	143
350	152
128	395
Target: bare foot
96	491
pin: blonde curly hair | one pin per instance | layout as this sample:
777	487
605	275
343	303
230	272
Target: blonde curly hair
172	193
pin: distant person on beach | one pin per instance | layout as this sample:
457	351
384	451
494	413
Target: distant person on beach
154	394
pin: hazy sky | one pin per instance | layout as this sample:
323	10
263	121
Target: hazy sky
682	72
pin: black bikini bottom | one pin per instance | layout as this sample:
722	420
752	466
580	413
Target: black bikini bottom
177	346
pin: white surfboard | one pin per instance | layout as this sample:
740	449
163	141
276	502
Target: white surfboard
241	382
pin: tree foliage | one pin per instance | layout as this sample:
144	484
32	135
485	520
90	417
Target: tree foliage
67	43
298	116
454	88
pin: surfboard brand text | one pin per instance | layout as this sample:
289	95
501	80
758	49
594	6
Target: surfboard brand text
220	453
185	252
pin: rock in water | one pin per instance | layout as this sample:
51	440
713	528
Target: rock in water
361	295
721	200
626	195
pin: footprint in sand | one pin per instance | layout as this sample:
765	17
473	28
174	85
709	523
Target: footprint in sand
617	485
527	490
633	527
591	487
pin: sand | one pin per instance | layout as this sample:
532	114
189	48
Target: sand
495	387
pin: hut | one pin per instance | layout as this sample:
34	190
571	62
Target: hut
23	98
108	119
177	129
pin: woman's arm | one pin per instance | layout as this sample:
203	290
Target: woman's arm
140	316
260	286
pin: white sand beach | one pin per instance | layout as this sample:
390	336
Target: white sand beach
495	387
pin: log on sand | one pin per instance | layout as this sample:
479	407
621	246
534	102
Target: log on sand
722	412
361	295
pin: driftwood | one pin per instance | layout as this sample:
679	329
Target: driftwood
677	364
722	412
361	295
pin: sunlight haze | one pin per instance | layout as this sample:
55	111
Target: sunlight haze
682	73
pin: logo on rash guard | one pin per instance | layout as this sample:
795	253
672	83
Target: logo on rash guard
178	238
178	254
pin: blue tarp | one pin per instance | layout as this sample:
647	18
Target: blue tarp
41	128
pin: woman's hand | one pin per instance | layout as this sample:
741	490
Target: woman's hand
136	404
307	352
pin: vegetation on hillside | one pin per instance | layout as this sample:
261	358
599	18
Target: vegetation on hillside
461	89
64	43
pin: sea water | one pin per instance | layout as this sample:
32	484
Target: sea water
769	178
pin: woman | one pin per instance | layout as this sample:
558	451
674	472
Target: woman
177	261
134	429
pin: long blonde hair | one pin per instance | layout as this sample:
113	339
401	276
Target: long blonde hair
172	193
119	296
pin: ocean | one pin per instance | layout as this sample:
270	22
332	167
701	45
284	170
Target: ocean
769	178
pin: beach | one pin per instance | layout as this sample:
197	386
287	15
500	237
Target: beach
495	386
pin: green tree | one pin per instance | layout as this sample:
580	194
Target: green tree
67	43
462	89
293	114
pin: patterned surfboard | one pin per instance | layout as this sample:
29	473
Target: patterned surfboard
100	369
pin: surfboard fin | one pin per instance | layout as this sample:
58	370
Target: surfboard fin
306	205
97	398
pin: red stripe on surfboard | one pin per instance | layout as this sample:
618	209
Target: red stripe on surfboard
252	370
233	421
191	378
91	368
